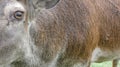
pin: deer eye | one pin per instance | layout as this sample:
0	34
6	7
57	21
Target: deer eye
19	15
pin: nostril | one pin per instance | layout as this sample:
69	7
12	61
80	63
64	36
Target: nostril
19	15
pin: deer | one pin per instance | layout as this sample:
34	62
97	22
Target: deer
72	33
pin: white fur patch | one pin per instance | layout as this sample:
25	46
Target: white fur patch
96	54
12	7
99	55
81	65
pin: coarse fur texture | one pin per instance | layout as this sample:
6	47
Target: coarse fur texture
73	33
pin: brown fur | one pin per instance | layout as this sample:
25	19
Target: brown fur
63	36
78	26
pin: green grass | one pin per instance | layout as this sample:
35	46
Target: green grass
104	64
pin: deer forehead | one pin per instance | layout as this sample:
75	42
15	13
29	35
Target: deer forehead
13	6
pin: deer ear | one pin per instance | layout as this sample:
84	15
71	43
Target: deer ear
45	3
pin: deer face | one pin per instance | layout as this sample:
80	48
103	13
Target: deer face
14	34
12	30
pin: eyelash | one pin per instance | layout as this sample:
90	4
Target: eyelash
12	17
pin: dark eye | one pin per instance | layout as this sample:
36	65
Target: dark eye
19	15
